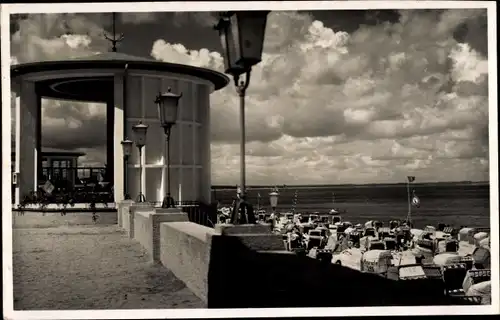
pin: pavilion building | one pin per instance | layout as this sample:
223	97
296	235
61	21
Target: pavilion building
126	86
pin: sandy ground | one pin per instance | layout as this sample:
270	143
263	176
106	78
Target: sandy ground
39	219
90	267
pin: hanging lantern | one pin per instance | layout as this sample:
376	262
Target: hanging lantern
242	38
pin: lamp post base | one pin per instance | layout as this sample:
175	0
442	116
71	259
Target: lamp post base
168	202
243	213
141	198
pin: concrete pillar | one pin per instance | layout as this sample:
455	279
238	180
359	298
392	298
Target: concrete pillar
123	211
39	158
118	136
146	226
28	147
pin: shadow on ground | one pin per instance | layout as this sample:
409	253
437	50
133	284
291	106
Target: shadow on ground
240	278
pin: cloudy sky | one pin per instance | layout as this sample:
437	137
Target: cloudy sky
340	96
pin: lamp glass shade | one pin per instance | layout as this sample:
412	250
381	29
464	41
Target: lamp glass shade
248	29
273	199
140	131
127	147
168	106
228	43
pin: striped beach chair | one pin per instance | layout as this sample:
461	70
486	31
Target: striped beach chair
384	232
468	261
452	231
475	276
467	300
453	276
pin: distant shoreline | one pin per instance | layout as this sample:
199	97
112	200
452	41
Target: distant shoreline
325	186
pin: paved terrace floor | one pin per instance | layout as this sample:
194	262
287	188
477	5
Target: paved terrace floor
90	267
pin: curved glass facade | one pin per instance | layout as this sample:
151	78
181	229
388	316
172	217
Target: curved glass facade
189	140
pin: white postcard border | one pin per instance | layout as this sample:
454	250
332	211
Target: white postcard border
7	9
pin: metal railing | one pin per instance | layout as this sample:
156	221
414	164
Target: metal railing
72	175
43	198
81	183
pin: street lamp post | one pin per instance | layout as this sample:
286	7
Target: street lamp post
273	199
127	151
140	131
242	38
168	105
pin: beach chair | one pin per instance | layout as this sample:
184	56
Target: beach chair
376	245
423	278
470	235
463	233
461	299
450	230
482	258
478	237
384	232
475	276
468	262
390	243
453	276
393	224
369	232
451	245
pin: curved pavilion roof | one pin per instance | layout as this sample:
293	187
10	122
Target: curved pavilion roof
98	89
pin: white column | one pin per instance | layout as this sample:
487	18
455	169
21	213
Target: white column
119	135
181	87
27	118
207	160
143	155
110	145
203	105
17	149
196	139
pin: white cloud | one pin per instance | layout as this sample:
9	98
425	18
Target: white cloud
326	106
468	65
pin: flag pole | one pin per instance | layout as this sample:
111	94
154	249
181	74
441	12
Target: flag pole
294	203
408	218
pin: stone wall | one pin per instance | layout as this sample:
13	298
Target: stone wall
142	230
185	250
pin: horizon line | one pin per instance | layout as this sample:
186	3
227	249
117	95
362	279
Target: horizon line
484	182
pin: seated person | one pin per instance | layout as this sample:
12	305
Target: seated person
419	259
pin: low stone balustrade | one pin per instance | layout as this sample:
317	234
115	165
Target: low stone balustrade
122	209
147	223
